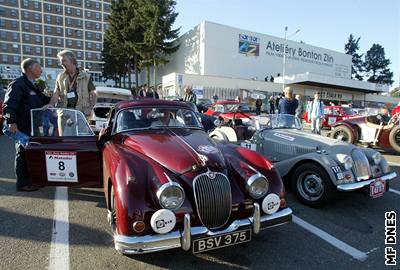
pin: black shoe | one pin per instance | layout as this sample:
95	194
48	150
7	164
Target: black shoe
27	188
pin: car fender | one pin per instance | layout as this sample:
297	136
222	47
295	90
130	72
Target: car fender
227	134
287	167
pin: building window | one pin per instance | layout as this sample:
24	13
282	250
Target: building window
4	58
25	3
58	20
98	56
15	48
58	9
88	24
3	35
27	49
58	30
98	26
89	34
15	36
25	14
47	7
79	54
38	39
78	12
78	33
47	18
88	3
89	55
89	45
97	5
14	24
48	40
4	47
38	50
2	23
69	32
13	2
36	4
106	7
47	29
97	15
69	21
49	62
37	16
105	16
58	41
88	14
78	2
106	26
27	37
49	51
69	42
79	44
98	36
15	59
98	46
26	26
36	27
79	23
14	12
69	2
68	10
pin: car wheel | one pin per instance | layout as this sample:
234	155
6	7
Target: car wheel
312	184
343	133
394	138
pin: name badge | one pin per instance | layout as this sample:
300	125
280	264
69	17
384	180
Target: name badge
70	94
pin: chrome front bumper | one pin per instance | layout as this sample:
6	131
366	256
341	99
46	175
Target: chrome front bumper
365	183
182	238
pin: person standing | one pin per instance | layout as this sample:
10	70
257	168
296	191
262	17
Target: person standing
258	105
278	98
152	93
74	89
271	102
315	113
300	108
189	95
288	104
22	96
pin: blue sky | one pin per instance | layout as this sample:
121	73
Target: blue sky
326	24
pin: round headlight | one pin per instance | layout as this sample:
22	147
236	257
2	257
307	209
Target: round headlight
257	186
171	195
377	158
346	160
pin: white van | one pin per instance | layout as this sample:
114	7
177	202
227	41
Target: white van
106	98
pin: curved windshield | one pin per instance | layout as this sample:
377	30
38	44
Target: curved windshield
275	121
150	118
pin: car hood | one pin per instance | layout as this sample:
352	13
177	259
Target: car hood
304	139
176	149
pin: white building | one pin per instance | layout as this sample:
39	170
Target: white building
215	58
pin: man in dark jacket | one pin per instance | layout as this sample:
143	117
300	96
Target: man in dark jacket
22	96
288	104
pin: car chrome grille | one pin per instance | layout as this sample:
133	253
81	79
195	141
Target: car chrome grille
212	193
361	167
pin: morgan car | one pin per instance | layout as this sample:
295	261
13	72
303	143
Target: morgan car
374	130
315	166
166	183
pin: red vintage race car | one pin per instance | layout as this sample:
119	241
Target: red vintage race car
226	110
333	114
166	183
375	130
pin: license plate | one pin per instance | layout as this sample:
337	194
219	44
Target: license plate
377	188
220	241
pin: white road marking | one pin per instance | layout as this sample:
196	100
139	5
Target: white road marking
59	250
355	253
394	191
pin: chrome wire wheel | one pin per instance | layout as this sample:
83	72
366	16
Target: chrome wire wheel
310	186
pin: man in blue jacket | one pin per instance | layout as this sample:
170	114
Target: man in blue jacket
22	96
288	104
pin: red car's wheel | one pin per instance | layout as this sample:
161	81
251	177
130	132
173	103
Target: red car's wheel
394	138
343	133
113	211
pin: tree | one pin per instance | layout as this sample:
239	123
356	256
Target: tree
377	66
125	36
395	92
159	39
113	59
351	48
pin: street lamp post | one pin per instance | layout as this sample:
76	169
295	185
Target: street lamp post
284	56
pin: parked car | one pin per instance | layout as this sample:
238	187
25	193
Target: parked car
106	98
166	183
228	110
203	104
375	130
315	166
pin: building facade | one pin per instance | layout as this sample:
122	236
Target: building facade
229	61
40	29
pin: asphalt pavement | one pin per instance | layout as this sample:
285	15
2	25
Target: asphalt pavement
348	233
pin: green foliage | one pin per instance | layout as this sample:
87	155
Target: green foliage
140	36
395	92
351	48
377	66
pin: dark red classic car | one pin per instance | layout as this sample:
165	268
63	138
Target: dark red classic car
226	110
166	183
374	130
333	114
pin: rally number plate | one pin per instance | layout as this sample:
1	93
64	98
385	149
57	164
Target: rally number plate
377	188
331	120
220	241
